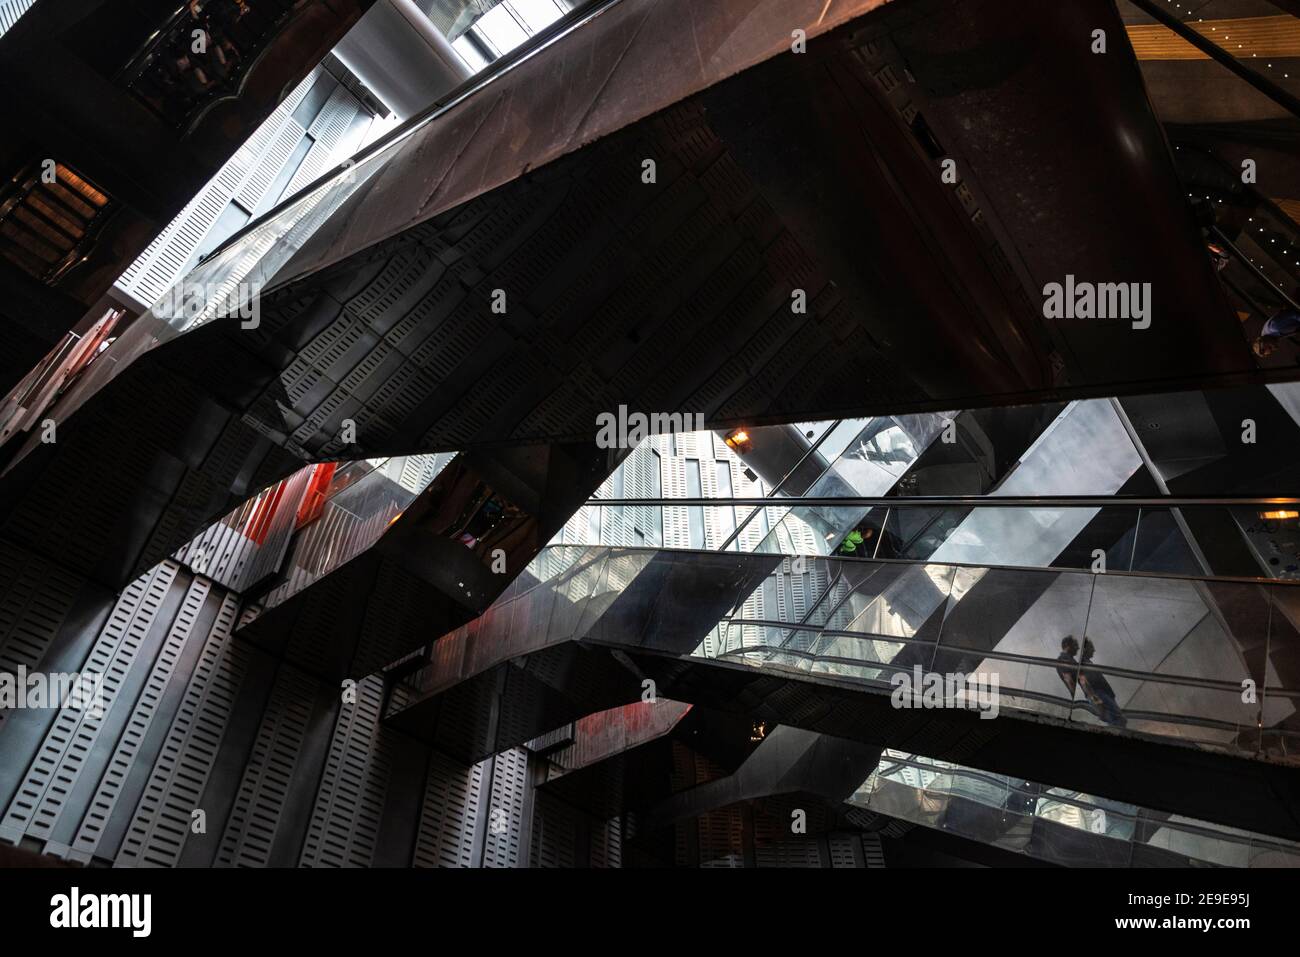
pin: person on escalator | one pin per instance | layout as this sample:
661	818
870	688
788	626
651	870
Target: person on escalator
1069	671
1098	689
1093	683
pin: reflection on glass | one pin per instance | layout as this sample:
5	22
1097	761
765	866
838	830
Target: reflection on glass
694	513
1056	824
363	499
1122	653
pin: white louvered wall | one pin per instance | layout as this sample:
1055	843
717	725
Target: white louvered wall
245	179
10	11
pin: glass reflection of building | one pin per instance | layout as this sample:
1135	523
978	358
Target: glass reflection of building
997	572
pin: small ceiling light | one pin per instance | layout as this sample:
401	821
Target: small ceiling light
1279	515
739	440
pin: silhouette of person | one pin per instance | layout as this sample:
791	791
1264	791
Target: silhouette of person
1098	689
1069	648
1093	683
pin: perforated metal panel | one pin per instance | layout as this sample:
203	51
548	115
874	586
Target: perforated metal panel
35	597
553	833
503	842
53	773
161	823
788	854
220	552
452	796
329	130
872	850
245	177
345	821
277	153
607	843
843	847
86	842
251	828
721	834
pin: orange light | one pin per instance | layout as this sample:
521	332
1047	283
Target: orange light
738	439
1279	515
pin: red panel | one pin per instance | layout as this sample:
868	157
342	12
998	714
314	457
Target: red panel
313	500
260	523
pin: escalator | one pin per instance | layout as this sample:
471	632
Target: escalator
1185	720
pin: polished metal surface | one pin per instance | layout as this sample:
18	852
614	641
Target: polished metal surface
400	338
396	51
1167	723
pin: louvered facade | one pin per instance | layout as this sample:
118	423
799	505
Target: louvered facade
315	128
320	781
10	11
